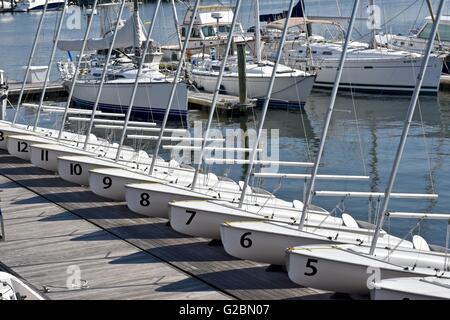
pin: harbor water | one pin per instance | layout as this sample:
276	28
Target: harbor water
364	132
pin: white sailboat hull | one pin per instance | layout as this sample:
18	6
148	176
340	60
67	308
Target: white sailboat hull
13	288
207	217
386	75
76	169
333	275
290	89
20	145
152	203
266	247
271	238
200	223
110	183
429	288
6	131
341	270
45	156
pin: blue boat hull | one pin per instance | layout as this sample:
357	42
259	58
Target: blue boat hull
138	113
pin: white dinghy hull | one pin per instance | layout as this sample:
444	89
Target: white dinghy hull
45	156
110	183
271	238
20	145
76	169
205	217
265	247
13	288
429	288
6	131
336	268
200	223
388	75
156	204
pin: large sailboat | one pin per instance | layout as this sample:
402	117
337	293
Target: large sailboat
291	86
154	87
416	41
367	68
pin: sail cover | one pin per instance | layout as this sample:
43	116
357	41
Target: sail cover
130	35
297	12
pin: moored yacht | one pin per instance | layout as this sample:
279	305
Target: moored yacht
154	87
366	68
417	39
291	85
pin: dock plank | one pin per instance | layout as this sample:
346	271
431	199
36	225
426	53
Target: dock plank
42	243
211	265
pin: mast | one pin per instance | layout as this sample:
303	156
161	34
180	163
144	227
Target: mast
309	192
175	20
257	33
52	56
136	82
430	8
137	26
216	91
412	108
266	103
77	70
373	41
174	86
30	59
105	71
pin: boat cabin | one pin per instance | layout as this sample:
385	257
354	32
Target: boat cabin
444	29
210	22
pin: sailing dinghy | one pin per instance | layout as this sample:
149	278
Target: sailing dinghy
353	268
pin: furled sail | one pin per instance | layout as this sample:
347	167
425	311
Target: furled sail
131	34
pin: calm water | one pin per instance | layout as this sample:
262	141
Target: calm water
363	136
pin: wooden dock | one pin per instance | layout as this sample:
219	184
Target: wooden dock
195	99
52	224
224	102
33	90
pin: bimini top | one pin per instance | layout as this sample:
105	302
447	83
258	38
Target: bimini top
299	21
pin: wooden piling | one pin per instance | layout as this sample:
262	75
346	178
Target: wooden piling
242	76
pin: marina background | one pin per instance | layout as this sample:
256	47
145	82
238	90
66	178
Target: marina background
365	129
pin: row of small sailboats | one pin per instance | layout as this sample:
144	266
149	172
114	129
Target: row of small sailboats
317	248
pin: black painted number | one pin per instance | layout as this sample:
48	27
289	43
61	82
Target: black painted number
2	138
22	146
44	155
309	264
107	182
245	241
145	199
75	169
192	213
